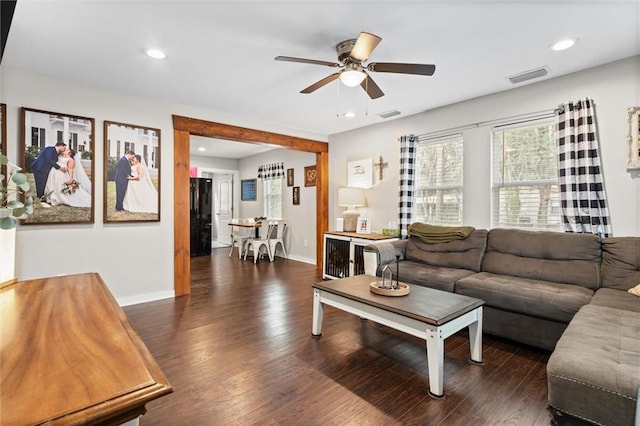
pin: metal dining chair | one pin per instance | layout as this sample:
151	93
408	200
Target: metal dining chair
239	237
278	238
255	244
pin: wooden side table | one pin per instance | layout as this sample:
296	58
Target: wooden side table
68	355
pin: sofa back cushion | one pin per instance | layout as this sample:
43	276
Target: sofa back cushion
620	262
462	254
560	257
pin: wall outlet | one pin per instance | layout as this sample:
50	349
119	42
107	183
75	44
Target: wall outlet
306	243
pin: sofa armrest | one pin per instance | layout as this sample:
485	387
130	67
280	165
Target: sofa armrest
378	255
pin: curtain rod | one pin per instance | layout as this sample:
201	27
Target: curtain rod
514	119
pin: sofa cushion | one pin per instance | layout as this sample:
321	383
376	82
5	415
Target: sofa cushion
542	299
436	277
594	371
549	256
620	262
618	299
461	254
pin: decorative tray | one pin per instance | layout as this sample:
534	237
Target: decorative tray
376	287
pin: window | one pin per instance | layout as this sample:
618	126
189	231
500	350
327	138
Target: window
525	177
273	198
438	181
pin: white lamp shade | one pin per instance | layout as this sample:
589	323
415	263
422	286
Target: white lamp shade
351	197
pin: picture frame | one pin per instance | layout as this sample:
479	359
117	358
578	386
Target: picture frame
289	177
248	189
66	193
363	226
310	175
131	183
3	129
296	195
633	138
360	174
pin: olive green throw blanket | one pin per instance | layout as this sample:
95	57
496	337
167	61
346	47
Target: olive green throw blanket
433	234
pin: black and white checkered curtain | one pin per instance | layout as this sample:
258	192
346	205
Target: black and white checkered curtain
407	182
271	171
582	194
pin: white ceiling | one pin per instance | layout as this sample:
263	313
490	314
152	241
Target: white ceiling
220	54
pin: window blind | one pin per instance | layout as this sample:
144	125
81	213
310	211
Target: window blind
438	180
525	177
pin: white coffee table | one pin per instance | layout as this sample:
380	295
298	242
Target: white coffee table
429	314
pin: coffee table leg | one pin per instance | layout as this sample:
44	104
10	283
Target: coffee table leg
475	338
318	314
435	362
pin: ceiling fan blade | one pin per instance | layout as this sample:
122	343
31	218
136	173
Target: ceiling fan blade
372	89
365	44
318	84
420	69
307	61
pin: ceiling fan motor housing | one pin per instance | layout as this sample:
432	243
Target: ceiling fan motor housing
344	49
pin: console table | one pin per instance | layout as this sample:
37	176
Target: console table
343	252
68	355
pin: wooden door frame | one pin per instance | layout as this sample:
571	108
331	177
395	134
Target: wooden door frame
183	128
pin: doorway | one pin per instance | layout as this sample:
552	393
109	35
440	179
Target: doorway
223	207
183	128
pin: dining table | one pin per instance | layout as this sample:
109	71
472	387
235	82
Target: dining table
256	225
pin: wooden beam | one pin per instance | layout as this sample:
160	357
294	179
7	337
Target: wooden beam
322	204
181	230
242	134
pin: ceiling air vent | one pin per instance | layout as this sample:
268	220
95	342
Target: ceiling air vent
528	75
389	114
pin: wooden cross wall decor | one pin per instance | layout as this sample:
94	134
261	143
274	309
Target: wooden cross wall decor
380	165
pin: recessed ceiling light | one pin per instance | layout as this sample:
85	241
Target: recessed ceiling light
349	114
155	53
564	44
202	149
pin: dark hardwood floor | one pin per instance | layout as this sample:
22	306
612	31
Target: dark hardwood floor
239	351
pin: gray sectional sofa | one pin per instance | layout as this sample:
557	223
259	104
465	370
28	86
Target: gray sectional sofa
562	292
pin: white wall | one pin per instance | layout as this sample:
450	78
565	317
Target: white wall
135	260
213	163
613	87
301	239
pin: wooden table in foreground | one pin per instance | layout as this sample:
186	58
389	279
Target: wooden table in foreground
68	355
429	314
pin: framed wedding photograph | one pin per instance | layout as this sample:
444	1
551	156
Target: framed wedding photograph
289	177
131	173
56	153
310	176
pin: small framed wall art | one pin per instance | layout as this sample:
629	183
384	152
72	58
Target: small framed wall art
289	177
296	195
360	174
248	189
310	176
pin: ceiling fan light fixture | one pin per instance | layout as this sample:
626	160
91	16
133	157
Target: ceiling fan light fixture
352	78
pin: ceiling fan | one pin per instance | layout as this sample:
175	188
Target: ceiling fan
352	54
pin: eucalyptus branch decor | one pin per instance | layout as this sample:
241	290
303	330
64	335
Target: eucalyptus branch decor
17	186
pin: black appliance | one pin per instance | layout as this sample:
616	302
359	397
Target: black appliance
201	203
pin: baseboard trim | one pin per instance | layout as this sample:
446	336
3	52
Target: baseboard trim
144	298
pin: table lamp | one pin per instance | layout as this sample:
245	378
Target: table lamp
350	198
